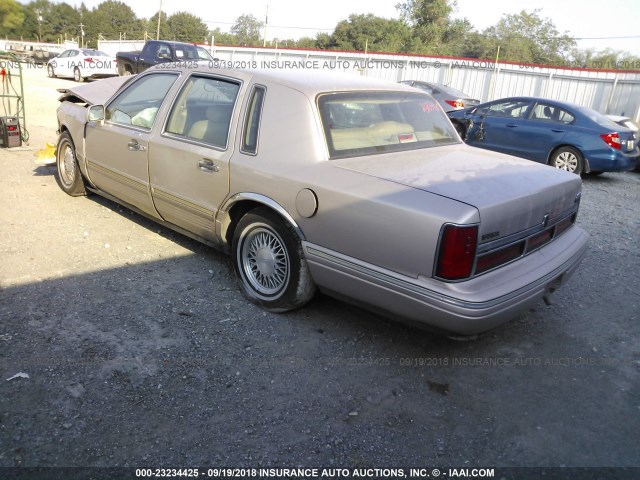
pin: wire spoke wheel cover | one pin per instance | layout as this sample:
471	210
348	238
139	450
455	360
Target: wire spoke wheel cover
68	176
269	262
264	260
67	165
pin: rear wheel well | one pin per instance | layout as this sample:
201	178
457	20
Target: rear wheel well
239	210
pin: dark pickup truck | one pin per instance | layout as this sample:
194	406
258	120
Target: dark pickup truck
159	51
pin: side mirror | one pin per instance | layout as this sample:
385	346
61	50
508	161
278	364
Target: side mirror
96	113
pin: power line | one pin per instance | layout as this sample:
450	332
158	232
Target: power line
621	37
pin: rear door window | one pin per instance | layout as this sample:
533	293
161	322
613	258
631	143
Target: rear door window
203	110
551	113
252	121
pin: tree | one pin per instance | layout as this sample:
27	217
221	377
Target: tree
372	33
323	41
186	27
433	31
223	38
112	20
528	38
64	20
247	30
152	26
11	16
425	13
305	42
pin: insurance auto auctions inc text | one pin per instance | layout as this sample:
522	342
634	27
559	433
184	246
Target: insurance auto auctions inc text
358	473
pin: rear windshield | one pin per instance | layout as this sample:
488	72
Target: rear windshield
366	123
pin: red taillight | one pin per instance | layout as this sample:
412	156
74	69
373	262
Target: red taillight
499	257
539	239
612	139
457	252
455	103
88	60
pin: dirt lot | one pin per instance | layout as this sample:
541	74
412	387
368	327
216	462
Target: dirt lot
141	352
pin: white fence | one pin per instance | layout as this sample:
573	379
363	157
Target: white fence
32	50
608	91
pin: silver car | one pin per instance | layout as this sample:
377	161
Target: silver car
356	187
449	98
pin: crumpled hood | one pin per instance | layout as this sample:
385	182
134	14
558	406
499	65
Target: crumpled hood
511	194
94	93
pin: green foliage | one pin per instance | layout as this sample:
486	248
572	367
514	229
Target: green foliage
113	20
152	27
432	29
425	27
223	38
526	37
248	30
607	59
11	16
186	27
368	32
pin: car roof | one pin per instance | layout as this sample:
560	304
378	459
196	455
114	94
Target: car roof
550	101
587	114
308	81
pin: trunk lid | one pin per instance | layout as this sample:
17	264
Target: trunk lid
510	194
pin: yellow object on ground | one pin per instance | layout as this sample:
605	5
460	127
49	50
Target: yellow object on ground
46	155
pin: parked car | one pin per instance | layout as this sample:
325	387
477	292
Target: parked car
159	51
357	187
81	64
566	136
623	121
449	98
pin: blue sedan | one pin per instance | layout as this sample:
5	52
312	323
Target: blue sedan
560	134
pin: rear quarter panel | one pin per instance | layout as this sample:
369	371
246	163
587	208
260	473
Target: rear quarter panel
373	220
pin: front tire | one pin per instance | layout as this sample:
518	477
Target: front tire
77	76
68	176
568	159
269	262
51	72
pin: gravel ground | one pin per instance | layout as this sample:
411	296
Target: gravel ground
141	351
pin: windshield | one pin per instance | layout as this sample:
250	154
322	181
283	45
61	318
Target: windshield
94	53
203	54
366	123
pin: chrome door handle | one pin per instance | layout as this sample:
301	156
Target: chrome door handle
207	165
135	146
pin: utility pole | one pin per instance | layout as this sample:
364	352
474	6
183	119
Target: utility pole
159	17
82	35
266	22
38	13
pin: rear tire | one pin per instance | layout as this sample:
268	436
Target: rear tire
568	159
77	76
269	262
68	175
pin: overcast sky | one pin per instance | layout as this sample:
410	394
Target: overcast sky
597	22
